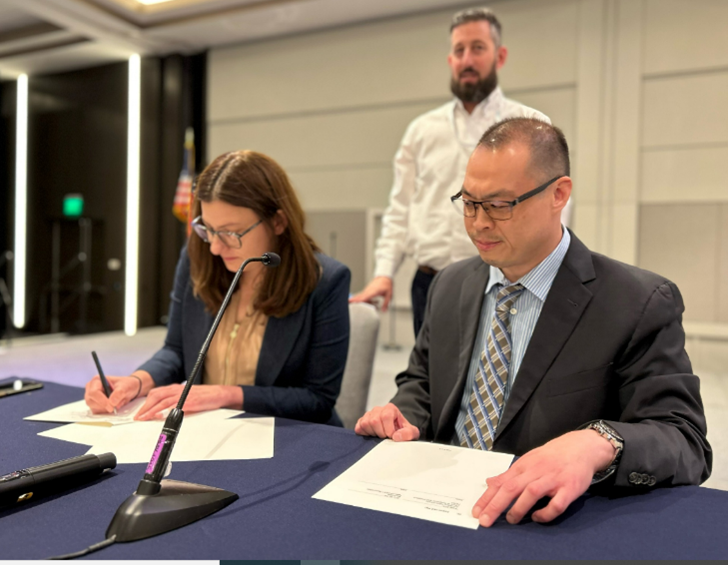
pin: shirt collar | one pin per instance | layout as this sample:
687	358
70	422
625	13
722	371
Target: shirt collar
493	99
538	280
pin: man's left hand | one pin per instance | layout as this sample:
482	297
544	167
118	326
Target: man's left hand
561	469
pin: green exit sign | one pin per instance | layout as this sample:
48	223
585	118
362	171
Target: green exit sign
72	205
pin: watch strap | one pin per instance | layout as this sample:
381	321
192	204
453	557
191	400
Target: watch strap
611	435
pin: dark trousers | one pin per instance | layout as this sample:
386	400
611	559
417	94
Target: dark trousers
420	286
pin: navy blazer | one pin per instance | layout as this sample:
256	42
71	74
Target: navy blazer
301	359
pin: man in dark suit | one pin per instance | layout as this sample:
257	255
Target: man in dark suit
544	349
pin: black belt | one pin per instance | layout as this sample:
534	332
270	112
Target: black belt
427	270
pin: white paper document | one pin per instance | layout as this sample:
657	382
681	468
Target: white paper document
206	436
423	480
87	433
80	412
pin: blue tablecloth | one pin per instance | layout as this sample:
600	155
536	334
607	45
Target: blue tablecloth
276	518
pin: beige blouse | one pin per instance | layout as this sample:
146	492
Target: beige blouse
233	355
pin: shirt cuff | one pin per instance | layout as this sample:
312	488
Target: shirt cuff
385	268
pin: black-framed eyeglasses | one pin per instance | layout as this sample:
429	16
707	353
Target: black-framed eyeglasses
496	209
228	238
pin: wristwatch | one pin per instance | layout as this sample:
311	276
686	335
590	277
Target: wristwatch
611	435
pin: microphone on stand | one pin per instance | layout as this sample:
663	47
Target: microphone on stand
270	259
159	505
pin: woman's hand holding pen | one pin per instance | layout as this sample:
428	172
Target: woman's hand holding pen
123	391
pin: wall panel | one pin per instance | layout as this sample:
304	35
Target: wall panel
685	36
589	106
367	65
623	220
338	234
722	290
681	242
684	110
684	148
688	174
319	140
585	218
364	187
557	103
542	42
383	62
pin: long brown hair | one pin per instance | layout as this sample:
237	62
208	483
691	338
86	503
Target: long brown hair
255	181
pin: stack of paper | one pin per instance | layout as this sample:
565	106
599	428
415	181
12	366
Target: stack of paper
204	436
423	480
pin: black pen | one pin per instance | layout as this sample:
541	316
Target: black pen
104	382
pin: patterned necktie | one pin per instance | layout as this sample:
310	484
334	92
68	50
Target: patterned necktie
487	399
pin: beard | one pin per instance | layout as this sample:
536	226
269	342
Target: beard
475	92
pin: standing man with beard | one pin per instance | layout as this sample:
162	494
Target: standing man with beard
430	164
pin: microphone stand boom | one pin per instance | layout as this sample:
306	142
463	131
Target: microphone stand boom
159	505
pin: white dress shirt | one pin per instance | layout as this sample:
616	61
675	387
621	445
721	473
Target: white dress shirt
429	168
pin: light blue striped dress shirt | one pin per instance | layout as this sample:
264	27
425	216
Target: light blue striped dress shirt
537	283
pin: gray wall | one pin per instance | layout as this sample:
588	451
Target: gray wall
331	107
683	188
639	87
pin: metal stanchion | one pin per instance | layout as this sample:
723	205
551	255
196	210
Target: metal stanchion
80	291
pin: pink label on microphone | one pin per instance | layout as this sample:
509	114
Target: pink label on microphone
157	452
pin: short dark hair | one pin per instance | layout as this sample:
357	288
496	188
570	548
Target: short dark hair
549	152
479	15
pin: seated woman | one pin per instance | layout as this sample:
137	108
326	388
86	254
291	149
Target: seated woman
281	345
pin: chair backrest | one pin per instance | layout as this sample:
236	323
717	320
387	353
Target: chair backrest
363	330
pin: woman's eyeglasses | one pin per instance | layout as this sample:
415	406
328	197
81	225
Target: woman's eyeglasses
228	238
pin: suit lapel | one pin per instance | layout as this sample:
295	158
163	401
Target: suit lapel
472	293
564	306
281	335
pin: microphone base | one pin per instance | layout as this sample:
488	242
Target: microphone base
177	504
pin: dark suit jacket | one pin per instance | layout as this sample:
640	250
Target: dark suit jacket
608	344
301	359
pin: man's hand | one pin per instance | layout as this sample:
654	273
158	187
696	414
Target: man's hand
378	286
561	469
386	421
200	398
